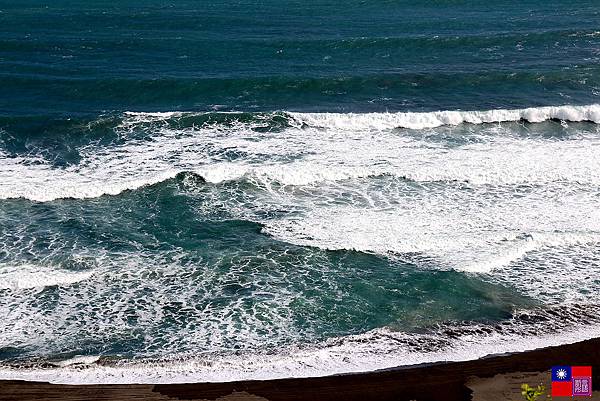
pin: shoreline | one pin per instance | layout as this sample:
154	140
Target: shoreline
451	381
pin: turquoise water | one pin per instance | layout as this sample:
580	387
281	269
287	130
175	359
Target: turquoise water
232	190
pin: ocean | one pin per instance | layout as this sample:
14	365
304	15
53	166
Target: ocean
229	190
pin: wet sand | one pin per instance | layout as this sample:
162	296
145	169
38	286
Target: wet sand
491	378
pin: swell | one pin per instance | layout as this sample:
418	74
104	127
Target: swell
418	52
424	43
371	91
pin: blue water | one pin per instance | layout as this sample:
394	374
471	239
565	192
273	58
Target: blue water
338	187
70	58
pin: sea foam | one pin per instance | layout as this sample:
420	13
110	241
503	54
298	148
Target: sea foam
373	350
423	120
323	147
25	276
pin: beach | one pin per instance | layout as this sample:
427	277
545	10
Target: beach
491	378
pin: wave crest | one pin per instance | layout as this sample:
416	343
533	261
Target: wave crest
352	121
309	148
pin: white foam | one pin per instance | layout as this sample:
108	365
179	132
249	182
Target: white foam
374	350
32	276
379	121
350	188
79	360
133	295
347	149
296	174
482	205
489	240
518	249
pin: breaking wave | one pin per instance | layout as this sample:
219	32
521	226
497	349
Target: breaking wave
589	113
380	121
308	149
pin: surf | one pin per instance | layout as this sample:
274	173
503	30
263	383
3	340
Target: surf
305	149
379	121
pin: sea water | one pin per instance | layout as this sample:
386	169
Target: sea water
211	191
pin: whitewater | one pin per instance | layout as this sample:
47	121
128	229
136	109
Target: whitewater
497	204
325	138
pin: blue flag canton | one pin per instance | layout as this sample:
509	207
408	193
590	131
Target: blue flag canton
561	373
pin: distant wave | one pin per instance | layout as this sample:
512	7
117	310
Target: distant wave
374	88
380	121
391	120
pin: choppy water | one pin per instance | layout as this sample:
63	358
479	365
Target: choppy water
225	191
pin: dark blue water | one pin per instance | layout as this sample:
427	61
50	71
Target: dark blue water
265	189
68	58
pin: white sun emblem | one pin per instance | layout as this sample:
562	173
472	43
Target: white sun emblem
561	374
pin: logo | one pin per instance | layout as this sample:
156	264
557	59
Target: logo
571	381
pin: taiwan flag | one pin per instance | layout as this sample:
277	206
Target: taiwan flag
562	385
569	381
